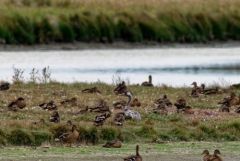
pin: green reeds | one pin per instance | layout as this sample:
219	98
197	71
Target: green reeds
138	21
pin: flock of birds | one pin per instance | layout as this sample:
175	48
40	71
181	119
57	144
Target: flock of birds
124	111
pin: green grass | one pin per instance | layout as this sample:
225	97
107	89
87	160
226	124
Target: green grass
106	21
17	128
168	152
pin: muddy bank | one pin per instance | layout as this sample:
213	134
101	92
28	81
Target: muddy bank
116	45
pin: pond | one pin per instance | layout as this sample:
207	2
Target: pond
171	66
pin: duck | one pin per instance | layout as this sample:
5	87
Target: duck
119	104
121	89
231	100
100	107
113	144
237	110
180	104
224	108
100	119
55	117
163	100
206	156
135	102
182	107
119	118
4	86
92	90
48	106
136	157
72	101
196	91
149	83
215	156
82	111
161	109
209	91
70	137
18	103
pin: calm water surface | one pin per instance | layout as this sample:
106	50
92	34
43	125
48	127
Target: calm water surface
172	66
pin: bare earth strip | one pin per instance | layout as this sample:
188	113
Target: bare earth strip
182	151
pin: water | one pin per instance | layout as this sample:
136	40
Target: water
171	66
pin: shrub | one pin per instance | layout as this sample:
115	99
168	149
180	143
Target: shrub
146	131
20	137
109	133
41	136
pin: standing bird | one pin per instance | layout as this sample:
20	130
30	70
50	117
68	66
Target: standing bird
18	103
131	114
4	86
136	157
70	137
149	83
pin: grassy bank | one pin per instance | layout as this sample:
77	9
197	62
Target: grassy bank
23	127
106	21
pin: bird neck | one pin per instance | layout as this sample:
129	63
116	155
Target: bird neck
137	150
129	95
150	79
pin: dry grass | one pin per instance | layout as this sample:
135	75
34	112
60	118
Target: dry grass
153	127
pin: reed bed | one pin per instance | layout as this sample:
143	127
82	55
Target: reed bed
107	21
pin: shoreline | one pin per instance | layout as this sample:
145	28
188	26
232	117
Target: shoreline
116	45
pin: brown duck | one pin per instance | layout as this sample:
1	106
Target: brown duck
136	157
161	109
100	107
91	90
70	137
206	156
72	101
119	104
135	103
215	156
209	91
164	100
19	103
196	91
182	107
121	89
113	144
148	83
119	118
231	100
49	106
237	110
55	117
